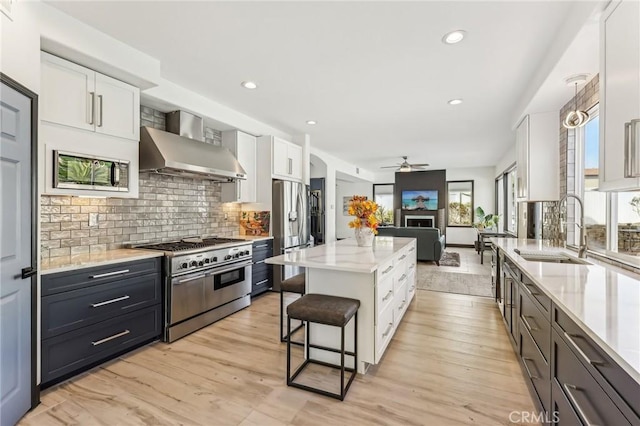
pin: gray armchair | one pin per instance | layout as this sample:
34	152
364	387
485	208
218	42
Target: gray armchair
430	243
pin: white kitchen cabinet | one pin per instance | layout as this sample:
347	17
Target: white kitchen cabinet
243	146
286	160
537	157
620	97
75	96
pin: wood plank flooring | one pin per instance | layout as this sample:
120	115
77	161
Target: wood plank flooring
450	363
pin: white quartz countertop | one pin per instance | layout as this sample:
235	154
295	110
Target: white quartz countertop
253	237
345	255
69	263
604	301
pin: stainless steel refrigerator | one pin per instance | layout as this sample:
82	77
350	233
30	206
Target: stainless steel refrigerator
290	225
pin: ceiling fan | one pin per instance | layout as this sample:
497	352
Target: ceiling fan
405	166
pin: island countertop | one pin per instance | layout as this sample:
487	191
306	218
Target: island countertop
604	301
345	255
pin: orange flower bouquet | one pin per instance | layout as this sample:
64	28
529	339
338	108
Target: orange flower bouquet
365	224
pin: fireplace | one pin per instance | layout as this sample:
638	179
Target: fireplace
420	221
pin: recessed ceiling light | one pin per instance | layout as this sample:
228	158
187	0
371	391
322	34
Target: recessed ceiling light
312	122
454	37
455	102
249	85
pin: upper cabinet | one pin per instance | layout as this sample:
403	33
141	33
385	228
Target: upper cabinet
285	158
620	97
75	96
243	146
537	156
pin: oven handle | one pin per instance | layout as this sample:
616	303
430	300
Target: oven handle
196	277
235	266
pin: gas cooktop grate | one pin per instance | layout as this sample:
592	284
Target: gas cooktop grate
188	245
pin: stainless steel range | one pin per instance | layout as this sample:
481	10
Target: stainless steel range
204	280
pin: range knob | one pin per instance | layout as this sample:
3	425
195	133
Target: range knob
237	255
247	252
214	259
227	257
207	260
183	265
193	263
201	263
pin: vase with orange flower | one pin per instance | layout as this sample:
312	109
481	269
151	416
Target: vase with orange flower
365	224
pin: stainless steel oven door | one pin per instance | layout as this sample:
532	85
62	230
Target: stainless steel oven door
227	283
188	296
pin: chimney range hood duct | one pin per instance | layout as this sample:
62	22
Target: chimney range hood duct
184	153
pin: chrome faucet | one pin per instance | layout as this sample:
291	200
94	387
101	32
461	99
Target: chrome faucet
582	249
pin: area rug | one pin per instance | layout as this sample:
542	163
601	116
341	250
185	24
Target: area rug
450	259
434	278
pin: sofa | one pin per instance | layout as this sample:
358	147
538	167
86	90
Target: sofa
430	243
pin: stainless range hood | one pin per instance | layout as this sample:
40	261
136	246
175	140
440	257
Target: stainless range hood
176	155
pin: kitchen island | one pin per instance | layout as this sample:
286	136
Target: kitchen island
382	277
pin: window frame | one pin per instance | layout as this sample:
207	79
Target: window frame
393	197
470	225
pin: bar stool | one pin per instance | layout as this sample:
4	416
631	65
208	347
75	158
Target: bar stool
329	310
295	284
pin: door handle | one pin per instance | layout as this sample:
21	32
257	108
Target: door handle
100	105
91	112
290	166
28	272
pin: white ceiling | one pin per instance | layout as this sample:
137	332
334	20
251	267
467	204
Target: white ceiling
375	75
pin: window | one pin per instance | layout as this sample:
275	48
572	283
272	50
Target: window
500	202
383	196
612	220
460	203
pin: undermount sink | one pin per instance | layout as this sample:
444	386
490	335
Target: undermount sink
550	257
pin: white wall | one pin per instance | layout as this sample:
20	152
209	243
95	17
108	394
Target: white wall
483	195
507	160
348	189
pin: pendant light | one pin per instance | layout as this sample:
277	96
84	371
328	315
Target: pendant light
576	118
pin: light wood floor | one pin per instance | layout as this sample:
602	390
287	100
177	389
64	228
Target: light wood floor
449	363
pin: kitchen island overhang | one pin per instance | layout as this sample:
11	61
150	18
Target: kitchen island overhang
382	277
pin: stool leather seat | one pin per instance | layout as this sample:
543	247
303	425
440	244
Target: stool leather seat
294	284
323	309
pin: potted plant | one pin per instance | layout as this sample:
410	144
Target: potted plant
485	220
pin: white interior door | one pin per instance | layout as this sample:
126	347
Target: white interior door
15	255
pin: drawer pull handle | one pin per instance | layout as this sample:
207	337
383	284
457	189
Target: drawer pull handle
261	282
402	277
404	302
259	261
412	249
413	265
197	277
526	323
388	295
526	367
106	339
573	343
108	302
412	287
261	245
387	270
531	293
388	330
569	390
109	274
404	256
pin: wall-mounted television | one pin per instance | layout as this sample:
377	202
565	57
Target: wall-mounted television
420	200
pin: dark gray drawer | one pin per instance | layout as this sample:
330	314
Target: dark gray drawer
73	351
260	276
614	380
561	412
262	255
537	295
536	323
63	312
261	264
536	366
80	278
585	395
